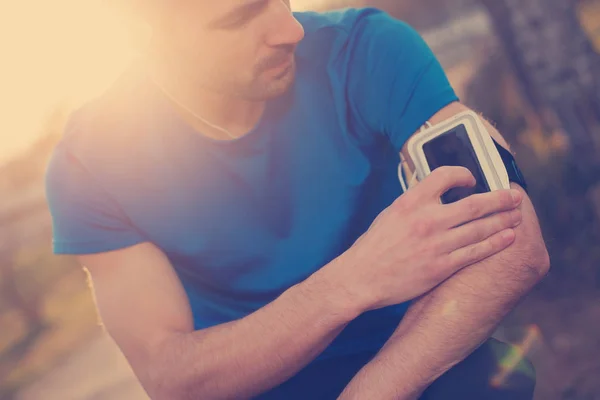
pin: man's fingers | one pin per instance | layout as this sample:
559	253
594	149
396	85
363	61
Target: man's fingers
474	253
443	179
479	205
481	229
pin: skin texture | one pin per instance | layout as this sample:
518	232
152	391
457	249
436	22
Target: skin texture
230	63
224	58
468	244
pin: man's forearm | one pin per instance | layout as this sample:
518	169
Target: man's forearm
446	325
243	358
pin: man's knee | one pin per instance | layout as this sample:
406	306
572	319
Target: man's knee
495	371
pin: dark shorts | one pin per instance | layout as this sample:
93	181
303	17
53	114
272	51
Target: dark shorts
473	379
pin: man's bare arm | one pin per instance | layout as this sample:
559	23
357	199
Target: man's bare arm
145	309
446	325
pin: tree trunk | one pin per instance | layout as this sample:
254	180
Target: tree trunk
557	66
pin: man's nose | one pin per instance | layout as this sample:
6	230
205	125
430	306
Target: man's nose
285	29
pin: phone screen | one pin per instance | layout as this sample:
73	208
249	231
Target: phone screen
454	148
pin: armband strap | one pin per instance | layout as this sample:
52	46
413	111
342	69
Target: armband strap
514	173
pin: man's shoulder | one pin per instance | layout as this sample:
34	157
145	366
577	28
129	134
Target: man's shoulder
348	19
345	29
110	121
103	135
341	20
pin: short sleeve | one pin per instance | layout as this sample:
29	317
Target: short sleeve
85	219
394	81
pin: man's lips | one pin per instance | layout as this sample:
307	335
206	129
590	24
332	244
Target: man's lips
284	64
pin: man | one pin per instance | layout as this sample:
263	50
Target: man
235	199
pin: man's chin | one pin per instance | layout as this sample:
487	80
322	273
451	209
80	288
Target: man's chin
281	86
278	85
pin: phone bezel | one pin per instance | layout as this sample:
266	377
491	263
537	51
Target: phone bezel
486	152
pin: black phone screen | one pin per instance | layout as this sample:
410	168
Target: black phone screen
454	148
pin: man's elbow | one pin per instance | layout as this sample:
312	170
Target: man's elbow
540	263
164	375
157	386
529	253
160	384
530	258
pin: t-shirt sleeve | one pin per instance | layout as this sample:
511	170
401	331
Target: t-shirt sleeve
85	219
394	81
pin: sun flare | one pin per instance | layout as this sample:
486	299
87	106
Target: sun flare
52	52
59	52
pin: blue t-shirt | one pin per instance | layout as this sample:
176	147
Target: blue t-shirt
242	221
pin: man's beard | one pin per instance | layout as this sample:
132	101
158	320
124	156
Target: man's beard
257	86
282	54
263	87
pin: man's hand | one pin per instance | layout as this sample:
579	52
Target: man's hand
417	242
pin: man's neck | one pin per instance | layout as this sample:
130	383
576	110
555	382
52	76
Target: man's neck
202	108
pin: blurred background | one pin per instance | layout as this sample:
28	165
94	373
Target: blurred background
531	66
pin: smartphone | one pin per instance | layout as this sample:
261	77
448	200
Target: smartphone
461	140
453	148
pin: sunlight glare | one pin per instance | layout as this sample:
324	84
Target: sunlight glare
54	52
